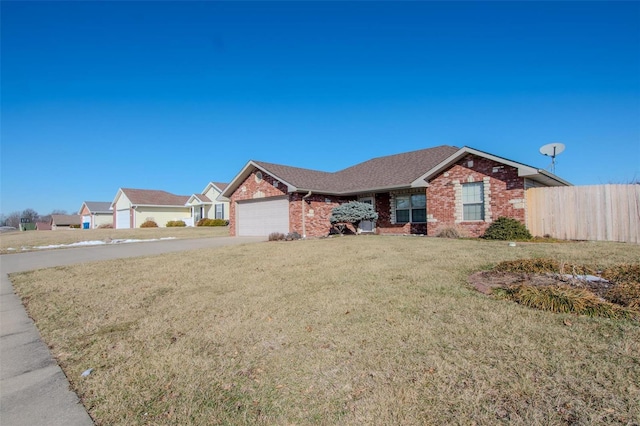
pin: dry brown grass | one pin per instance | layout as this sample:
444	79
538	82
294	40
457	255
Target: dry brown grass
354	330
16	242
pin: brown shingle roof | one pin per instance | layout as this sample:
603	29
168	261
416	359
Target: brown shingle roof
302	178
378	173
98	206
66	219
391	171
221	185
152	197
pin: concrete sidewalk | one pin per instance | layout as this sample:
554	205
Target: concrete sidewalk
33	388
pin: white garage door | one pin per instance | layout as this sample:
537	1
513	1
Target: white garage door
262	217
122	219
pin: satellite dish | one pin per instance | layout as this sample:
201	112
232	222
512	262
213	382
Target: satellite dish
552	150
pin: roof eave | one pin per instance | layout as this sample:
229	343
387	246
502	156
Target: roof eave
182	206
523	169
354	192
245	173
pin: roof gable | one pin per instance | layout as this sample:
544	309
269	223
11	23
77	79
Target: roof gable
96	206
523	169
217	186
199	199
65	219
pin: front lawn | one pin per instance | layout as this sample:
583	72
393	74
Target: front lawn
352	330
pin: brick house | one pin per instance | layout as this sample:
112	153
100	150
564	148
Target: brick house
415	192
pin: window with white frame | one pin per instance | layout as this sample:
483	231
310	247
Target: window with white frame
411	208
219	211
473	201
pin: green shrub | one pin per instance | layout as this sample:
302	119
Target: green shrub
74	226
212	222
505	228
292	236
175	224
149	224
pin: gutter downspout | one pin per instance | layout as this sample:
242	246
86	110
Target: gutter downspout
304	227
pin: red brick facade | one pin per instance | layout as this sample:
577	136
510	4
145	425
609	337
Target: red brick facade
253	188
503	196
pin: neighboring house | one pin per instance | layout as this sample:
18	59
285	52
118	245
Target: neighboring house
206	205
65	221
132	207
43	226
95	213
415	192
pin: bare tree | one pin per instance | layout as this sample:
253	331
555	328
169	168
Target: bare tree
13	219
30	214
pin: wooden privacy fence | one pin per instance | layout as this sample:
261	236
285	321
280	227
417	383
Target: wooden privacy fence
594	212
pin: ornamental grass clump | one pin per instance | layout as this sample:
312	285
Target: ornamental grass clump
175	224
625	294
448	232
149	224
541	266
627	272
564	299
277	236
212	222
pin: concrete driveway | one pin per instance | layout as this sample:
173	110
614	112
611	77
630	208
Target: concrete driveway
33	388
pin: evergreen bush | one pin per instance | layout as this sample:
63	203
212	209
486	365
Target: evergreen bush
506	228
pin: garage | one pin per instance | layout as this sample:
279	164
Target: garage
262	217
86	222
123	220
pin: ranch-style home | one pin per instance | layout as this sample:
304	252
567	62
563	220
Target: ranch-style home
415	192
132	207
64	221
95	213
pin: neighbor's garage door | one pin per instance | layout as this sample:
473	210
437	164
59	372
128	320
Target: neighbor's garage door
122	219
262	217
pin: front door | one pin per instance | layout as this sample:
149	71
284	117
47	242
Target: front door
367	225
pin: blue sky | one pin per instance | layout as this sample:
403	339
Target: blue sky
172	95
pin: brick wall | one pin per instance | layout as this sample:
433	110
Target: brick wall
384	225
504	195
317	210
252	188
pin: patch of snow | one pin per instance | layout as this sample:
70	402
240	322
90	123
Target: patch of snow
590	278
97	243
10	249
78	244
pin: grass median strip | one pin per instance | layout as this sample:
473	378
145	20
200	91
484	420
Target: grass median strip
18	242
353	330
